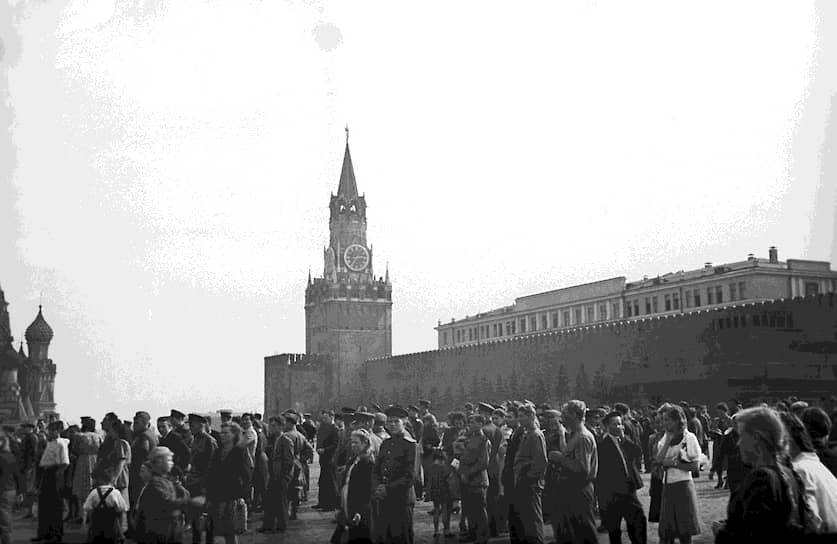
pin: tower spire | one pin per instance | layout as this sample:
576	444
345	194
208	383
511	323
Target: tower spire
348	186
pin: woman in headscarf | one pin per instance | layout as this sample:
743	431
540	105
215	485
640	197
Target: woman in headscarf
356	494
770	504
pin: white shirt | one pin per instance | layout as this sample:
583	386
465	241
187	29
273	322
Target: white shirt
114	500
57	452
687	450
251	440
820	489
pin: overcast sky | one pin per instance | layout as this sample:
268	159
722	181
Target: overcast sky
167	169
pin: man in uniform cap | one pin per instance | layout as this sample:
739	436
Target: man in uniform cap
178	425
495	436
202	451
392	481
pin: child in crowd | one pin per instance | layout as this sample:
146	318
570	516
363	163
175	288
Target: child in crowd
442	491
104	509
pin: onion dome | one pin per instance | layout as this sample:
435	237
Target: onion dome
39	331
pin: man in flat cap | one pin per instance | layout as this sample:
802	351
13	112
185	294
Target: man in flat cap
392	483
226	416
178	425
328	440
202	451
303	453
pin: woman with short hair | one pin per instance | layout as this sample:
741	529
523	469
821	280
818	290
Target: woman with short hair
228	481
770	504
678	456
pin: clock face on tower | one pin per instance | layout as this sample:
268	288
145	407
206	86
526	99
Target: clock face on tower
356	257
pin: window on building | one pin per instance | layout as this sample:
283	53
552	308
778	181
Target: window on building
470	334
494	329
688	300
615	313
522	325
675	299
602	312
710	295
812	288
591	313
445	338
741	294
654	304
554	317
668	303
719	294
533	323
514	326
636	306
577	316
544	322
733	292
697	298
566	318
647	305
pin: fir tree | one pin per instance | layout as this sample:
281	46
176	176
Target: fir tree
562	385
582	384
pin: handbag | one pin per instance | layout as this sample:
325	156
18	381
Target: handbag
239	516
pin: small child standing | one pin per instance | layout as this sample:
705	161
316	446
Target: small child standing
441	491
104	510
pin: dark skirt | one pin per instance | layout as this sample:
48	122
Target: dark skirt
655	490
678	511
50	506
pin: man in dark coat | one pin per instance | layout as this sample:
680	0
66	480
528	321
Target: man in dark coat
178	425
392	483
281	472
174	442
495	436
328	440
143	441
617	482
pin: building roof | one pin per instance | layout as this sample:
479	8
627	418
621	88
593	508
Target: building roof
39	330
348	186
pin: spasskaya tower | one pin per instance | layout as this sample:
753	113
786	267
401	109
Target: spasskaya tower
348	311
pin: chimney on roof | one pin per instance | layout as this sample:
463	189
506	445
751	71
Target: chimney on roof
774	255
707	266
751	257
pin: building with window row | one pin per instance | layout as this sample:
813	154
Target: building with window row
755	279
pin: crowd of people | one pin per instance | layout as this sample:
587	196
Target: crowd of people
509	468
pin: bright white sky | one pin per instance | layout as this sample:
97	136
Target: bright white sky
171	166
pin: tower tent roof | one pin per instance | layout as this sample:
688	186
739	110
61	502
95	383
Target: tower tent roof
348	186
39	330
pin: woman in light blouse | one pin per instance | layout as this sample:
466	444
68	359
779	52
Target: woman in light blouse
678	455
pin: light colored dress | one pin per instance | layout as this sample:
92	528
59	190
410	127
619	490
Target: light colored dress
87	448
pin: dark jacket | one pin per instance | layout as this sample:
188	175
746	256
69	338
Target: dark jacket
178	447
359	493
158	512
611	478
229	476
473	467
328	439
769	507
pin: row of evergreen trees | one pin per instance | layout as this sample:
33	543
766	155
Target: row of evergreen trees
538	386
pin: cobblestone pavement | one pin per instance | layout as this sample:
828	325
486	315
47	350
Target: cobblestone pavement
315	527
